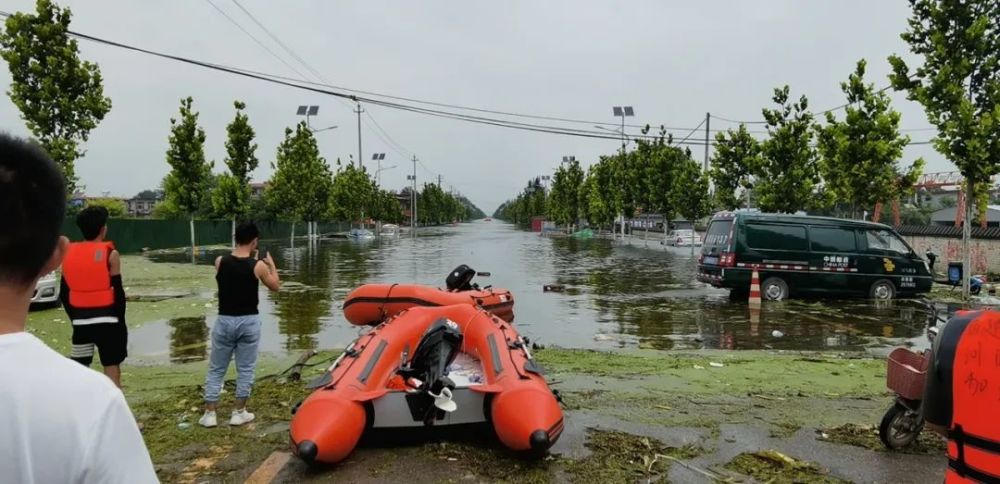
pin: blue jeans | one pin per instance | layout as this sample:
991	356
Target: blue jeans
233	334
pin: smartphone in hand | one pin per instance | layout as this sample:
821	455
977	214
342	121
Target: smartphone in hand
261	254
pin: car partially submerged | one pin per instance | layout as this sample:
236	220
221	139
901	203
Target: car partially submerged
795	254
683	238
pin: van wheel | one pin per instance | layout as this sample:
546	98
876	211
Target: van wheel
774	289
882	289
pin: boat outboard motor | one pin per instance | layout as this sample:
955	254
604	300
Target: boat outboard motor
436	351
460	279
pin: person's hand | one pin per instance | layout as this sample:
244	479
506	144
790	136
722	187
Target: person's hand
270	261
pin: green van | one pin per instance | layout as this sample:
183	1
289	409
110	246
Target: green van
796	254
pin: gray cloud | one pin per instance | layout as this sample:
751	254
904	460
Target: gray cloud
673	61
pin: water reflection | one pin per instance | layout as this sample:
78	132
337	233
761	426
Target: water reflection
615	296
188	339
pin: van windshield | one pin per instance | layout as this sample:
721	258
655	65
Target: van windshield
718	233
885	240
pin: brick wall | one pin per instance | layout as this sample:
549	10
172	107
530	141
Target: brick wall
985	252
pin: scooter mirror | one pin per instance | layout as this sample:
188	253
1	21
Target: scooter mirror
483	274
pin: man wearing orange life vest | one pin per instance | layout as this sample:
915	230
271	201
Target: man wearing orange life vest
962	396
92	293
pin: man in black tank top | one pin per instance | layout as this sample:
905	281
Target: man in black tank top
237	329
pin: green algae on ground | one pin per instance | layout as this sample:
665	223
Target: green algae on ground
866	436
774	467
745	373
623	457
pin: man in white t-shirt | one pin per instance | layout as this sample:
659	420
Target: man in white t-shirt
59	421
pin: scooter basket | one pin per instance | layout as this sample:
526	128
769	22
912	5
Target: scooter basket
907	373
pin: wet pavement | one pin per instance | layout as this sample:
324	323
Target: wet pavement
615	296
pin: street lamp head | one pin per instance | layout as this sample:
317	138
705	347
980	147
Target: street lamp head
378	156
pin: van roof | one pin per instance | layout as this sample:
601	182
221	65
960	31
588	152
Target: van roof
799	219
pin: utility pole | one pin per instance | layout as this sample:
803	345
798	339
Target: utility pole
708	122
413	198
359	111
439	181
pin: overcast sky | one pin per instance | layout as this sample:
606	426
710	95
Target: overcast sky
673	61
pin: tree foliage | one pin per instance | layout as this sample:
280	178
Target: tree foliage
60	96
788	171
958	83
564	199
231	198
302	183
352	194
736	158
690	190
115	206
188	184
858	155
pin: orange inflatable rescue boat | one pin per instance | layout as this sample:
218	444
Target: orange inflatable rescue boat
429	367
371	304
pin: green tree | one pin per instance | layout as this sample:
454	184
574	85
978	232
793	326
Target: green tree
231	197
187	186
61	98
958	84
564	197
386	208
736	157
599	212
690	192
788	172
858	155
115	206
353	193
302	184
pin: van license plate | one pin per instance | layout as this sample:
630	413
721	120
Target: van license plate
711	261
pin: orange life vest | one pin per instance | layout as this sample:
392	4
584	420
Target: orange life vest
974	436
87	274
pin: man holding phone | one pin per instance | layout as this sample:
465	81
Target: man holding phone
237	330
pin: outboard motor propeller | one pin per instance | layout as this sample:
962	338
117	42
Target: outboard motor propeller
436	351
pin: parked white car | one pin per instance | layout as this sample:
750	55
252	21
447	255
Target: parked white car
46	290
683	238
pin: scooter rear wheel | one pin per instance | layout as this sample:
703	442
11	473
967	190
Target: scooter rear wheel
900	427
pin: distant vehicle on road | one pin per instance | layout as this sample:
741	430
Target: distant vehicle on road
361	234
802	254
683	238
46	290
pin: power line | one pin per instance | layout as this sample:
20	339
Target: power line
692	131
255	39
279	42
415	109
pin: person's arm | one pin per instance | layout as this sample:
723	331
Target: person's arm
114	263
64	293
268	273
115	269
117	453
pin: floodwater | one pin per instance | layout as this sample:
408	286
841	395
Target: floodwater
615	296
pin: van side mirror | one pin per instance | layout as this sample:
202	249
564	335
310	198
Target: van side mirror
931	257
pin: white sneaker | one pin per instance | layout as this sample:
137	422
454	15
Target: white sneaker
240	417
208	420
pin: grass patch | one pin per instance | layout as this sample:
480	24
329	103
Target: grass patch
774	467
622	457
866	436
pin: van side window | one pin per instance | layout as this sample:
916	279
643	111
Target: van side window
776	237
828	239
885	240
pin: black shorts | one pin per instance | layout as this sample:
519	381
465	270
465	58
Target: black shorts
111	340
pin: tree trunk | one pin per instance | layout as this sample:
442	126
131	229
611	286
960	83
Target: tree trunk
293	233
966	239
666	229
232	233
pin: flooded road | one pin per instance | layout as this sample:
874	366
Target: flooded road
616	296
